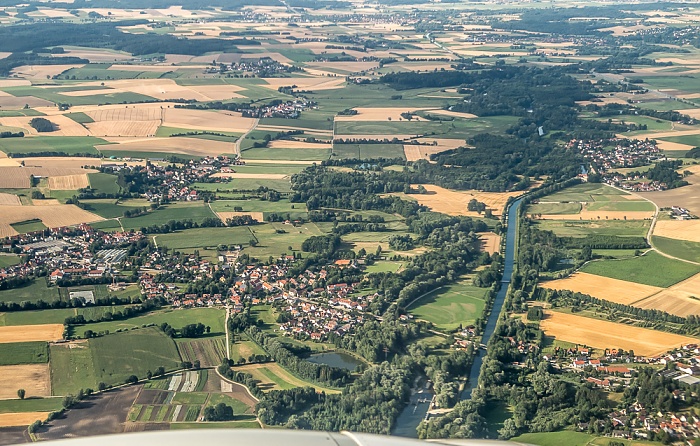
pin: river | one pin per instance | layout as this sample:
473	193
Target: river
411	416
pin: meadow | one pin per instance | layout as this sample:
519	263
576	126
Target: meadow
584	228
682	249
31	405
71	145
650	269
451	306
35	291
205	238
212	317
24	353
104	183
368	151
196	211
584	192
117	356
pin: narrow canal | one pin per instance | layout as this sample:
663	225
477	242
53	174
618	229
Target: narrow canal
419	405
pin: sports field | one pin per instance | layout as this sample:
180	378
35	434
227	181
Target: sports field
451	306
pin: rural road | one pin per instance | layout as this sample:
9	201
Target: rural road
240	140
652	226
228	340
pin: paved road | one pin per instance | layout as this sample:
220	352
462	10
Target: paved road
237	146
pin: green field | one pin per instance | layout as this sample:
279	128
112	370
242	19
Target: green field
111	207
650	269
239	407
554	208
80	118
205	237
9	260
72	369
682	249
368	151
459	128
24	227
196	211
584	192
116	356
104	183
218	425
623	206
54	94
24	353
584	228
266	207
212	317
384	266
33	292
451	306
244	184
568	438
265	153
70	145
31	405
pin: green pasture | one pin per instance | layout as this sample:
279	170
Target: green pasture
651	269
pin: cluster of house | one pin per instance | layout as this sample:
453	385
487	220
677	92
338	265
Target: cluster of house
618	153
173	182
682	365
252	67
290	109
312	311
67	256
608	154
636	422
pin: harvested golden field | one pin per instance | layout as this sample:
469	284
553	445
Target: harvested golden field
257	176
680	299
207	120
63	124
686	196
453	114
255	215
69	182
415	152
33	378
613	290
490	242
181	145
123	128
60	162
14	178
14	83
15	103
40	72
381	114
603	334
9	200
126	113
21	419
153	68
165	89
52	171
28	333
305	83
53	216
291	144
350	67
452	202
678	229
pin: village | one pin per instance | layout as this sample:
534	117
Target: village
615	371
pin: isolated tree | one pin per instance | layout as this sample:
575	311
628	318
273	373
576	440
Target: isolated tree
21	393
